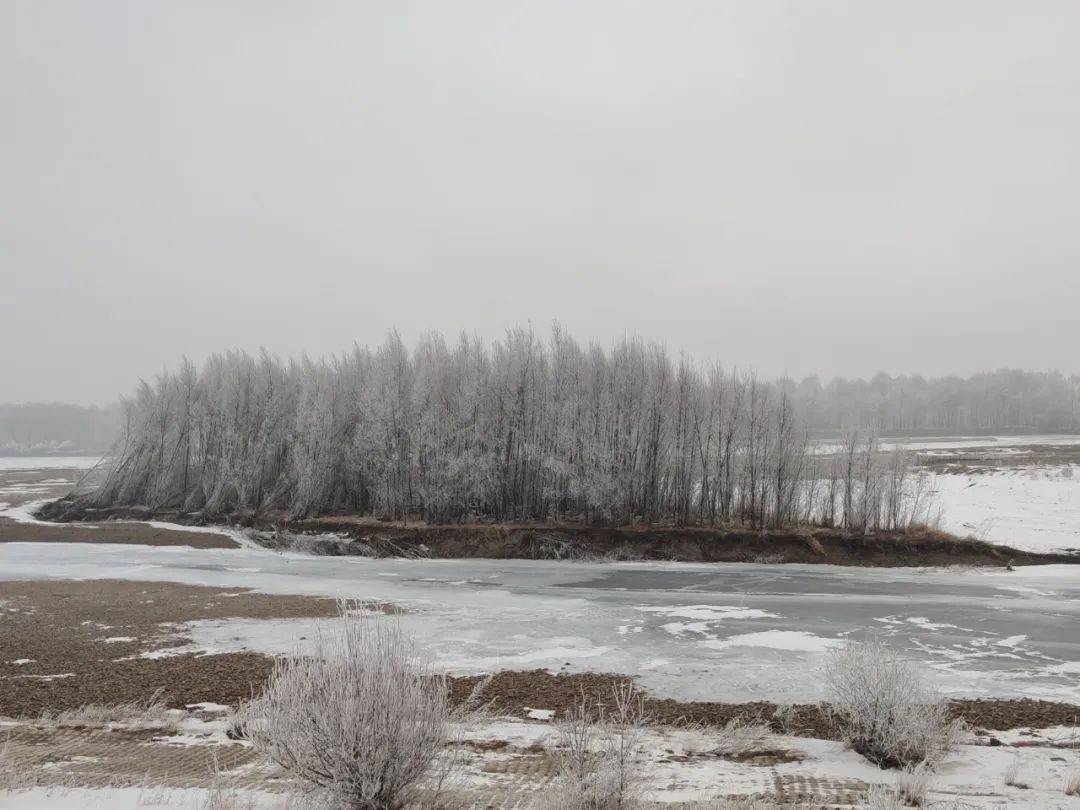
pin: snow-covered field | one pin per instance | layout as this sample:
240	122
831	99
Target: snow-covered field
48	462
1033	508
1019	491
973	442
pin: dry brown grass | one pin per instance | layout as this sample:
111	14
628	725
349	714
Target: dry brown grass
150	714
1072	783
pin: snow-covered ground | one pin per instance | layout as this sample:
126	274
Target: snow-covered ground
1033	508
947	443
675	766
1019	491
125	798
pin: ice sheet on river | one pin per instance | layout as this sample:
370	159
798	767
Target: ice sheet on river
731	632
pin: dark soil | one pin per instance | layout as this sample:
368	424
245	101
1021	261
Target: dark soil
24	486
183	679
125	533
684	544
511	692
61	625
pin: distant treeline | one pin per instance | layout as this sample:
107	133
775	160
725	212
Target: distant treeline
996	400
527	428
40	429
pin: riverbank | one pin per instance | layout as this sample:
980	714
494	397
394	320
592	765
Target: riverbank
346	535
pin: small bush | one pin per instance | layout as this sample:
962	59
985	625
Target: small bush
14	775
879	797
597	758
913	784
223	797
1011	776
786	715
885	709
364	719
740	737
1072	784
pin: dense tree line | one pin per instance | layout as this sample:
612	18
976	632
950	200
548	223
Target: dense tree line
521	429
50	428
996	400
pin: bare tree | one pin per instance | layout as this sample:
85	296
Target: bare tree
519	429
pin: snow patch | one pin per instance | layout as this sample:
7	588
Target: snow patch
209	707
711	613
794	640
1011	641
47	677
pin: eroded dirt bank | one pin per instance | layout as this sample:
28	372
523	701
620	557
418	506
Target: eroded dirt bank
348	535
682	544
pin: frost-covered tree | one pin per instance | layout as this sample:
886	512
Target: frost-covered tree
520	429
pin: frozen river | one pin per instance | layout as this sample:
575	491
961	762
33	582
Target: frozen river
730	632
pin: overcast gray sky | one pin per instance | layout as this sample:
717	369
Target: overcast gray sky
831	187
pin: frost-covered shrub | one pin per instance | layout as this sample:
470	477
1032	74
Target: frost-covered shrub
598	758
14	774
879	797
364	718
740	737
1072	784
885	708
1011	775
913	784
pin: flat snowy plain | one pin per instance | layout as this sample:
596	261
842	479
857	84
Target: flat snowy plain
1029	508
1011	496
